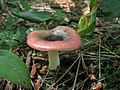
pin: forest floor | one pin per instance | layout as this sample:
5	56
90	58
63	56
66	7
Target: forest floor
94	66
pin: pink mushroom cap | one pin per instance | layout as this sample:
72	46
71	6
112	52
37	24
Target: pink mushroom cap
39	39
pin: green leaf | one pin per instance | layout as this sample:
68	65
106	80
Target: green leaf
87	23
60	14
82	23
22	3
33	15
4	46
93	3
25	5
13	1
10	22
110	8
5	35
13	39
20	35
13	69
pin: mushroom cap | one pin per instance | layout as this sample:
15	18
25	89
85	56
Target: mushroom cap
69	39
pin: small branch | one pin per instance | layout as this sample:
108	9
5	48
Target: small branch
99	56
81	84
69	79
83	63
28	59
110	51
76	75
65	72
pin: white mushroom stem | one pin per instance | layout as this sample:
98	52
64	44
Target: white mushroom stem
54	61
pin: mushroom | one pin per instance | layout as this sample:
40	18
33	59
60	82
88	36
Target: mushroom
61	38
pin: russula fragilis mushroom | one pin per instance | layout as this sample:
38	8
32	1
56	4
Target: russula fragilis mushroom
61	38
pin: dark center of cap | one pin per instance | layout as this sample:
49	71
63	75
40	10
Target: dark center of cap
57	35
54	38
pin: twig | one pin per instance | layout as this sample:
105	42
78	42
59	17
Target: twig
79	84
99	57
83	63
65	72
109	26
1	2
82	84
69	79
44	79
76	75
8	86
110	51
28	59
56	75
33	85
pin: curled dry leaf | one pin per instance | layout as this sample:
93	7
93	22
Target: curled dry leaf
92	77
42	71
116	64
65	3
98	22
97	86
34	70
86	9
38	84
91	68
2	18
16	49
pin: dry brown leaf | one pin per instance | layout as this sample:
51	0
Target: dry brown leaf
42	71
92	77
97	86
34	70
38	84
116	64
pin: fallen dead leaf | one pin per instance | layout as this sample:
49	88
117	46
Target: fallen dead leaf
34	70
42	71
38	84
97	86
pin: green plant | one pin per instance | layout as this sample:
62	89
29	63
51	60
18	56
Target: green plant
13	31
10	39
13	68
86	24
110	9
13	34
